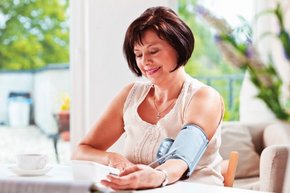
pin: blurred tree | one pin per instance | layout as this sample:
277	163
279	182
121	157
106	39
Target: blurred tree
206	60
33	33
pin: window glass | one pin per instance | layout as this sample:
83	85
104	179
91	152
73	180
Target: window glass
207	63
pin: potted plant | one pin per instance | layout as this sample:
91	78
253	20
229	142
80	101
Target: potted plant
237	47
63	119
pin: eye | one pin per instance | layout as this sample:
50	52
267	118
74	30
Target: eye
154	51
138	55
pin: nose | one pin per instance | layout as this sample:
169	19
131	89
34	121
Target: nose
146	60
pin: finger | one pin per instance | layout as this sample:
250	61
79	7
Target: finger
119	166
122	180
129	170
123	166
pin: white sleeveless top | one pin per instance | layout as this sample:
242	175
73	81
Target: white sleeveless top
143	139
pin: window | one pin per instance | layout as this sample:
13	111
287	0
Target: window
207	63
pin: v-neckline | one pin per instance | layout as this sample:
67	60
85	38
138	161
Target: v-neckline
167	114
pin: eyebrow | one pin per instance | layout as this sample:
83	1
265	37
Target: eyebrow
150	45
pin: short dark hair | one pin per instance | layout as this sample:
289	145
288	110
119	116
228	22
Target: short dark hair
168	26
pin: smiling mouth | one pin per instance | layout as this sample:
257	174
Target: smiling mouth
152	70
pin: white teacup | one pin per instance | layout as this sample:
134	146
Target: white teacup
31	161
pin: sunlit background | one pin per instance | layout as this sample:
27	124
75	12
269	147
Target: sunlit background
61	63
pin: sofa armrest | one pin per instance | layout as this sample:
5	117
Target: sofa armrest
257	131
273	164
277	134
286	188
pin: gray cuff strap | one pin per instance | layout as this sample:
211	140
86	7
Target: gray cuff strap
190	144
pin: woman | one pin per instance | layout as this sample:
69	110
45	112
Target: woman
157	46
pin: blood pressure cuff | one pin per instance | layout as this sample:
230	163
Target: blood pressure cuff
189	145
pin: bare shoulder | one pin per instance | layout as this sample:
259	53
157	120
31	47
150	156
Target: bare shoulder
128	87
122	95
205	109
206	94
115	108
110	124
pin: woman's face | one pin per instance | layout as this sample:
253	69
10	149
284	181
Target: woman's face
155	57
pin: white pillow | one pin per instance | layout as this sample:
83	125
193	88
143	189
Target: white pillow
238	138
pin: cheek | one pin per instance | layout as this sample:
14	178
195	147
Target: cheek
139	64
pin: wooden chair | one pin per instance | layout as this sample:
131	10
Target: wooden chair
229	167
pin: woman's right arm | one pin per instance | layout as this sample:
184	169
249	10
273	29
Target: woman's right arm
105	133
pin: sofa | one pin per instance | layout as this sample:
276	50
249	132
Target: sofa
264	150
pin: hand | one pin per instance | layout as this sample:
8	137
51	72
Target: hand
118	161
135	177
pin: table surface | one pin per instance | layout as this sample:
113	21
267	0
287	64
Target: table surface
63	173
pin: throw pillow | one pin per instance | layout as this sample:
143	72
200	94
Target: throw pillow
238	138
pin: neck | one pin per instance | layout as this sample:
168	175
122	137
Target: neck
169	90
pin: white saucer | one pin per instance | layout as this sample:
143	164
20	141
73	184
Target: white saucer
22	172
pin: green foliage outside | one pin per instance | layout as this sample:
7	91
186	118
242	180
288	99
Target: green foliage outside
207	61
33	33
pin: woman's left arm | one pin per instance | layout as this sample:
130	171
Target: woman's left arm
205	110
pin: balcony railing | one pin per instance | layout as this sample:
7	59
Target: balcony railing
228	85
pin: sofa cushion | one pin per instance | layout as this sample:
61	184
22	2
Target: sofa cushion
238	138
252	183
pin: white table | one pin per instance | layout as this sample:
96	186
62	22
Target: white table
61	175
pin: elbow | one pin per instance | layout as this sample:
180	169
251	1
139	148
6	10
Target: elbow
76	154
210	133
